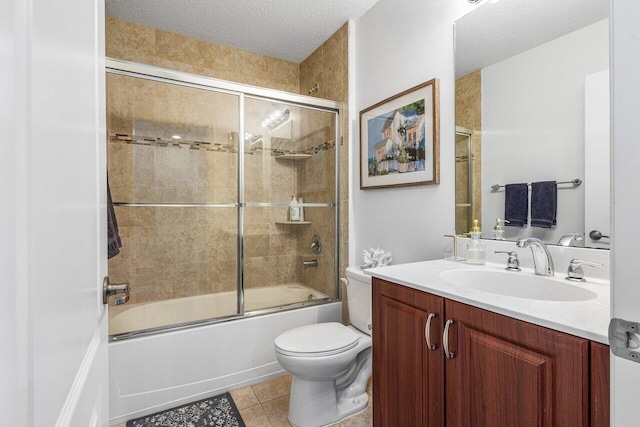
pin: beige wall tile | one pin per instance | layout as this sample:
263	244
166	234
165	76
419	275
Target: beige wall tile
469	116
176	51
176	252
129	41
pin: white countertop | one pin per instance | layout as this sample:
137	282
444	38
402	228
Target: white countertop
586	319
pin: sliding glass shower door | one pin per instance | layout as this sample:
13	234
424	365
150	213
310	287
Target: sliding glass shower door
202	173
173	167
289	156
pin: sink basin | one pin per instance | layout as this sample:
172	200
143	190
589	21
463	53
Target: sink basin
518	284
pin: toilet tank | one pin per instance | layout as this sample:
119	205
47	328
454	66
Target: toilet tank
359	299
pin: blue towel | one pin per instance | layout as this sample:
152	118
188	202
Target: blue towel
544	204
516	204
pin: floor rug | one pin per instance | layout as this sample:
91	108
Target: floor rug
217	411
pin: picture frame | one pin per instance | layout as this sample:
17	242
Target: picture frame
400	139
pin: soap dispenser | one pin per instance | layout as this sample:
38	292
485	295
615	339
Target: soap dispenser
498	229
476	252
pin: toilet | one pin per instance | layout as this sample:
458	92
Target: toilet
330	363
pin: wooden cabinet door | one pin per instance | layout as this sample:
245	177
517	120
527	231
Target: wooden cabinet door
507	372
408	377
600	413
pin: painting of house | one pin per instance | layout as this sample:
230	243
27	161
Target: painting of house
400	142
400	139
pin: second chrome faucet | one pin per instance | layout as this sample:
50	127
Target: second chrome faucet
542	261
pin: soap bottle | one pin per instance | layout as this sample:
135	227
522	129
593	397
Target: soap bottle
294	209
498	229
476	252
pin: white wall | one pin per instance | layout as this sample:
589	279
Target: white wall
533	124
399	44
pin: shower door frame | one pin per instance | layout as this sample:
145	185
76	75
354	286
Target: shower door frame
242	91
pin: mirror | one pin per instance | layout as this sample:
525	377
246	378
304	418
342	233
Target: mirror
532	105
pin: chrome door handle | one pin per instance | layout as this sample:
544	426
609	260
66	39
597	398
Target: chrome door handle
427	332
117	288
445	340
596	235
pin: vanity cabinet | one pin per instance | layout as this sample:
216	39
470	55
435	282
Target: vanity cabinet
600	376
507	372
504	371
408	376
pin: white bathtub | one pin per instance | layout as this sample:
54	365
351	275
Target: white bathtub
136	317
151	373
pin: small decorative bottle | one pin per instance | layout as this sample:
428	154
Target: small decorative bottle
294	209
498	230
476	252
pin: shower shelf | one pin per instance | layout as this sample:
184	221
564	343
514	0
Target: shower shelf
293	222
293	156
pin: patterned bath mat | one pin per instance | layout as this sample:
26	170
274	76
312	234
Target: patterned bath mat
217	411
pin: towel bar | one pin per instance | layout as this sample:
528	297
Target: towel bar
576	183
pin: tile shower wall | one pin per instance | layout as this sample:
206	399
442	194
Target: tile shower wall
138	43
469	116
176	252
327	66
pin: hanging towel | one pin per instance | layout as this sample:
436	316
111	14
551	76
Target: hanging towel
544	204
114	243
516	204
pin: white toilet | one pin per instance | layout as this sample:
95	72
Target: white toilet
330	362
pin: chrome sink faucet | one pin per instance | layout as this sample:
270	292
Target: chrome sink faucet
542	261
570	239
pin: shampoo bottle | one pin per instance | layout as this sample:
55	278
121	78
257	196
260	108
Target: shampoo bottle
294	209
476	252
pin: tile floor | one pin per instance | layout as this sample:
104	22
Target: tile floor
267	405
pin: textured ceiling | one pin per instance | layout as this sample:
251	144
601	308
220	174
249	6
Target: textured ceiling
494	32
286	29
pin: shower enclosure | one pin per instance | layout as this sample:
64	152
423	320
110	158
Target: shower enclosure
464	180
202	172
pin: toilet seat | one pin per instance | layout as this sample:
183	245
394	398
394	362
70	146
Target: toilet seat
318	340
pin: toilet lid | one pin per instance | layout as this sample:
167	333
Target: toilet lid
321	339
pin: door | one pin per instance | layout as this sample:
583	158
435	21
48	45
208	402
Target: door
597	209
506	372
408	373
54	194
625	297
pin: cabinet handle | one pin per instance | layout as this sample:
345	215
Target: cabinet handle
445	340
427	332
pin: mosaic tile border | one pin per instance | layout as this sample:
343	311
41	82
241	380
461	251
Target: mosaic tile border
121	138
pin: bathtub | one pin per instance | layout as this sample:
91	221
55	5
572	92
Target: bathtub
141	316
156	372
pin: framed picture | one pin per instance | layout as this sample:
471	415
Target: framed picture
400	139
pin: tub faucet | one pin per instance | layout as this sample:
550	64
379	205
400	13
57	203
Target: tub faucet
542	261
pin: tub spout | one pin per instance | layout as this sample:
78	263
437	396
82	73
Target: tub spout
312	263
